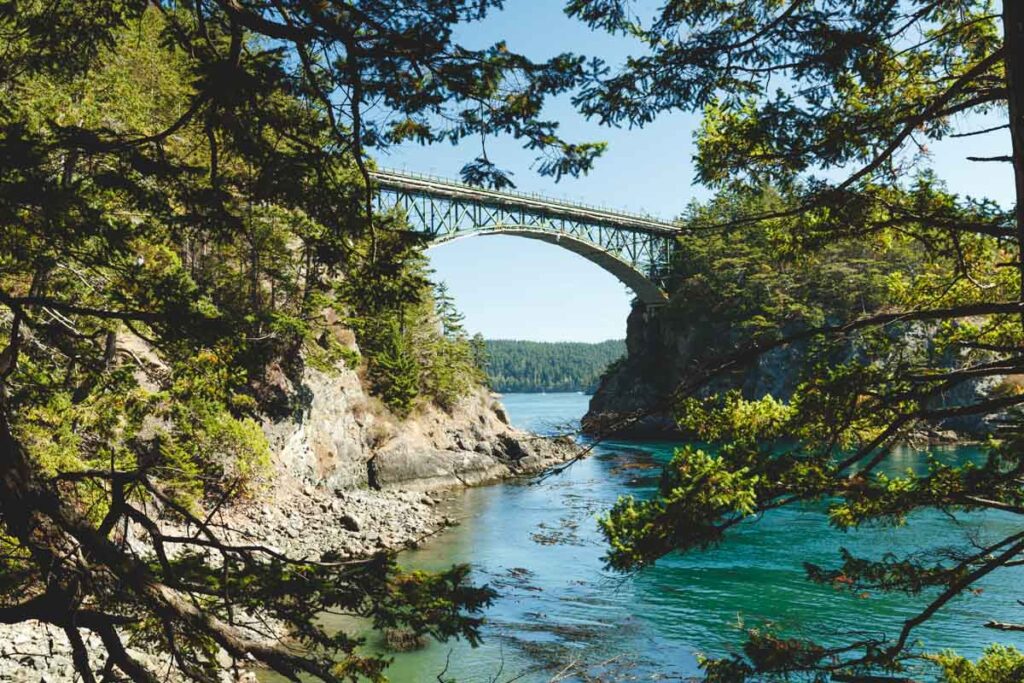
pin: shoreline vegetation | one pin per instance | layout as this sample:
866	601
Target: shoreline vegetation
734	289
199	306
295	515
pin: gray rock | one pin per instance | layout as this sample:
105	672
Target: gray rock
344	440
349	523
663	347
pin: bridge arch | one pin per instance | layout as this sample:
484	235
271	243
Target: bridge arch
635	249
647	291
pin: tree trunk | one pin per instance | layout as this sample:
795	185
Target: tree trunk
1013	49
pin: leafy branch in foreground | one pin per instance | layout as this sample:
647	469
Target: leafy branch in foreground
834	105
184	207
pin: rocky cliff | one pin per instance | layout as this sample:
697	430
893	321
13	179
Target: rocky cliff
343	438
347	473
663	344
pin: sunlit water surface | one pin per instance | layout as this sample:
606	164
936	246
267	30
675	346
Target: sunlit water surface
561	613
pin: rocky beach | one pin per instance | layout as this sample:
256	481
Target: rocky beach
348	480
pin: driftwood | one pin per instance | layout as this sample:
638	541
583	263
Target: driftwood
1004	626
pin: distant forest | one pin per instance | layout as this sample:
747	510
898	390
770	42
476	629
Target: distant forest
526	366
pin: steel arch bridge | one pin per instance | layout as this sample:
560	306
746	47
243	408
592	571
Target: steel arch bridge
635	249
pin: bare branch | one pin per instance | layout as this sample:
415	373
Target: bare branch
1003	159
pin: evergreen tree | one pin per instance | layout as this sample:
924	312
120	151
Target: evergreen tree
479	352
394	372
194	174
834	103
450	317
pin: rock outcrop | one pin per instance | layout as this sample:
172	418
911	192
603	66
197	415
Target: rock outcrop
633	398
344	439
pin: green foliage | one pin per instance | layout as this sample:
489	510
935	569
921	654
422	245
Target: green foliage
447	314
786	91
452	362
795	280
208	446
478	349
999	664
409	331
697	491
737	281
394	373
182	189
733	419
528	366
765	650
327	354
433	603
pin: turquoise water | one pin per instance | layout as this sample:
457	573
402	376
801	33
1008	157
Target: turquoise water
560	613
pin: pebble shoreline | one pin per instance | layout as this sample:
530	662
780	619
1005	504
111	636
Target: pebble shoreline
321	498
301	521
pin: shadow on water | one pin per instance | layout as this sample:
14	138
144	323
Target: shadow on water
560	612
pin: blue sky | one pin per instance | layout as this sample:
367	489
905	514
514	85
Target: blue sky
516	288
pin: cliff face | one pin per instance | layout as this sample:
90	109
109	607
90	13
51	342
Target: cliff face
343	438
641	380
346	473
662	346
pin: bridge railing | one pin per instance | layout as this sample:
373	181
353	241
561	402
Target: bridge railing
386	173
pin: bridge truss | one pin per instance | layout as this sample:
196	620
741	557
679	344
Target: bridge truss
636	249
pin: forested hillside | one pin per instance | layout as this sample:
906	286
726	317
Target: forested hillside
528	366
735	284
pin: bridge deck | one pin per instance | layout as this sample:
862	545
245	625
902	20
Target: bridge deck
412	183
